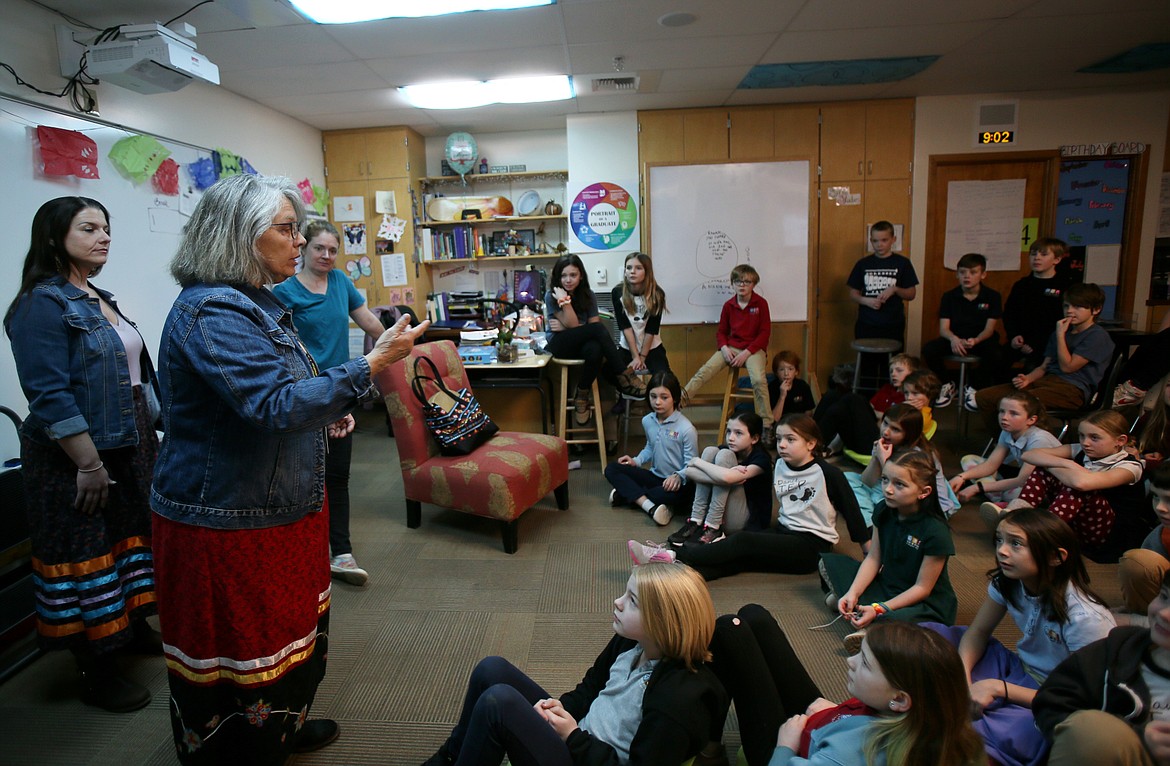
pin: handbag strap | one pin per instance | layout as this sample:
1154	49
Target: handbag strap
416	384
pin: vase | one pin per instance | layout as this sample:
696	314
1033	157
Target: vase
506	352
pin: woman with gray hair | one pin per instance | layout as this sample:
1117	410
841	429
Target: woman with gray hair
241	544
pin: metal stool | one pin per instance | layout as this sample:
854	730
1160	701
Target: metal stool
964	362
565	409
872	346
733	391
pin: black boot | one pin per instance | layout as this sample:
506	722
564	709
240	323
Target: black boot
104	686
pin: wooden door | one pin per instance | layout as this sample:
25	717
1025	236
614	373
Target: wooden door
842	231
842	142
345	156
797	133
751	136
889	139
1039	169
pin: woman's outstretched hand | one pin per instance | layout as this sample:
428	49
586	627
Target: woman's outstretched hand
395	343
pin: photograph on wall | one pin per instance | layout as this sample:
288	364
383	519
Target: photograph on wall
355	238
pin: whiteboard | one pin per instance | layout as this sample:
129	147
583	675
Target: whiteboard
706	219
144	226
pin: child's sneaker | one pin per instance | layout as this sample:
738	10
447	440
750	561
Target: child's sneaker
946	395
662	515
615	499
346	569
582	412
688	530
853	642
990	513
648	553
969	402
711	535
1127	393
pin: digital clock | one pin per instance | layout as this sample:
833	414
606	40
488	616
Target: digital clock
996	137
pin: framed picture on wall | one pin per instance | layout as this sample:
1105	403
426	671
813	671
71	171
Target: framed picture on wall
528	237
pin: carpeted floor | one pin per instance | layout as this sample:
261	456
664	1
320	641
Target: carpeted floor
442	596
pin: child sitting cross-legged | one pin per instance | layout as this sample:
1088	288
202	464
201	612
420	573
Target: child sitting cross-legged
904	574
1039	581
731	485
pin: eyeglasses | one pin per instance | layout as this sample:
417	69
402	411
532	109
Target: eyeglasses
743	282
291	228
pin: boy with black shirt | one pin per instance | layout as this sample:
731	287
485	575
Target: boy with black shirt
966	323
1035	303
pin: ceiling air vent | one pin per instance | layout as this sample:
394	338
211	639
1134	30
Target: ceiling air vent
615	84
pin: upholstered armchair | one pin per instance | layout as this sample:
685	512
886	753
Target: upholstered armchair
501	479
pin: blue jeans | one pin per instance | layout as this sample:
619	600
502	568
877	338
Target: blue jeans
498	720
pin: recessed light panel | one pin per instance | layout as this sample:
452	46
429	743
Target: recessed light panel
354	11
855	72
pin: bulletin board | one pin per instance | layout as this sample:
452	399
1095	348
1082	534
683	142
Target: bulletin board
706	219
145	226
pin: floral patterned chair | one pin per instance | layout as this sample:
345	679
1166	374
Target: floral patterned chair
501	479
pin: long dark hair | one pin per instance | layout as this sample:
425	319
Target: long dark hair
1047	534
47	256
583	295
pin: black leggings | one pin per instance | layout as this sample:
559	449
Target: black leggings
849	416
776	549
592	343
763	676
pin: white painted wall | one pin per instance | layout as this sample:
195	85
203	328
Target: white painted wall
604	147
946	125
199	114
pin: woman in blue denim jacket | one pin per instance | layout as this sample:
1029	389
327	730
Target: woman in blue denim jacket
88	448
241	545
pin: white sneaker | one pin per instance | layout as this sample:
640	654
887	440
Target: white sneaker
969	402
662	515
651	552
614	499
990	513
946	395
344	568
853	642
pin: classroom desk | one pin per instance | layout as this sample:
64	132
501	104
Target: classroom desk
526	372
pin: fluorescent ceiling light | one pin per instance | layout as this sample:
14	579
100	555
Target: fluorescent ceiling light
352	11
469	93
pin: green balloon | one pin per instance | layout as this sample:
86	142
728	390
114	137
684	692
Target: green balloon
461	152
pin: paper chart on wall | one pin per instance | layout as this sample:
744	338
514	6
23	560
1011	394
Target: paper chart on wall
985	217
394	270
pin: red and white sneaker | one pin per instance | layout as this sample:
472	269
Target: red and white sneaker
649	553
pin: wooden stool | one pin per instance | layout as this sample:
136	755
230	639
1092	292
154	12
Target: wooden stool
733	392
872	346
964	362
565	408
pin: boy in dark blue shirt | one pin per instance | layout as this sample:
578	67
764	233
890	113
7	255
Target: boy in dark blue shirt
966	323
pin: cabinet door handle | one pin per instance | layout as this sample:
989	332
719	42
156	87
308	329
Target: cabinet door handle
360	169
859	171
369	168
871	167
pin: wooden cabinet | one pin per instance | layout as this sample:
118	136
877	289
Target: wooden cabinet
359	163
867	140
774	132
688	347
362	155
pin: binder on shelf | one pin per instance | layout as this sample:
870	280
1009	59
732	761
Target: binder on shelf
428	245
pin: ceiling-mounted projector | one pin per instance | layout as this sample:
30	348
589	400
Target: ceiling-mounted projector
149	58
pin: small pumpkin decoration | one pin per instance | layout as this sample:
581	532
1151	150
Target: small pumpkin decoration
552	208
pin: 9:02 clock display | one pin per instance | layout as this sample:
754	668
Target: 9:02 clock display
997	137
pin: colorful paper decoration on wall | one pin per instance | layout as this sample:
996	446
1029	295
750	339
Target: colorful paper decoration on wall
359	268
226	163
67	152
307	195
203	172
166	179
391	227
321	203
138	157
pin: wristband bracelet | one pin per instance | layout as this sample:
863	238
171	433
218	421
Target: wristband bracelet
879	608
1005	691
97	467
979	485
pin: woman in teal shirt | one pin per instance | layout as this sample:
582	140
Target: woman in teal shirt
323	300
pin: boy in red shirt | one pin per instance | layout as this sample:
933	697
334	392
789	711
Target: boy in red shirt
745	326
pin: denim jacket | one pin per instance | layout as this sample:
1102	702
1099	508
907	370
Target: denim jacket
244	413
72	366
